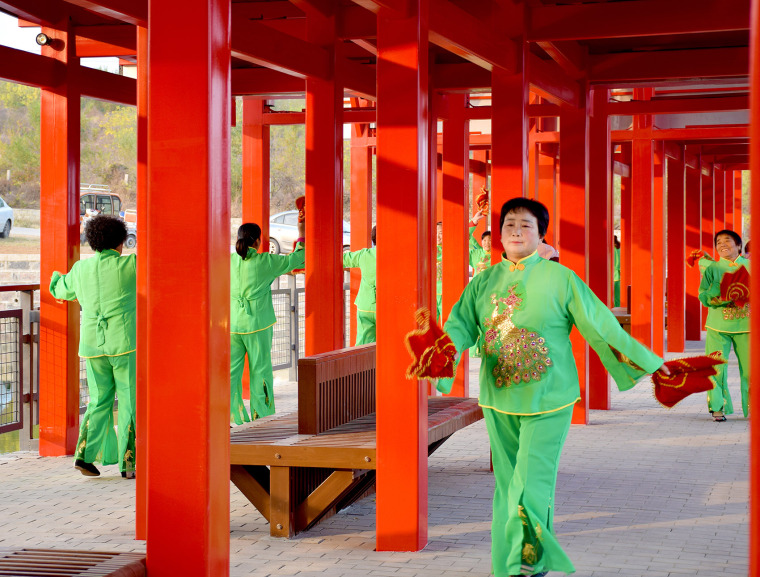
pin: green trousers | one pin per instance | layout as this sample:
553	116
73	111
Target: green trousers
526	451
616	293
365	328
258	345
719	399
108	377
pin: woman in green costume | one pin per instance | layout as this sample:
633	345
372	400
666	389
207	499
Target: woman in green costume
524	309
252	318
480	252
365	260
727	324
105	286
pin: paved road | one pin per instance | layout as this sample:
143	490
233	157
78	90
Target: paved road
23	231
641	492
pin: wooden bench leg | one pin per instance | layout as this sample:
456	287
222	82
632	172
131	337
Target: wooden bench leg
281	509
253	482
323	498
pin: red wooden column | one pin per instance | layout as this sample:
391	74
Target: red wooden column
479	180
658	250
143	206
403	284
546	174
754	441
693	242
708	221
509	144
719	180
256	167
642	176
324	195
625	226
573	200
599	231
728	199
455	173
738	220
188	337
676	241
361	201
59	250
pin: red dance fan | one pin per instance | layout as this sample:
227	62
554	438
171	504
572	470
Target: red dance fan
433	353
696	256
482	201
734	286
300	205
688	375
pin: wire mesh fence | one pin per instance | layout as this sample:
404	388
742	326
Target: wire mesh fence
10	371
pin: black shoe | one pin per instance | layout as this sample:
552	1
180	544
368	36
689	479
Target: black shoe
87	469
127	474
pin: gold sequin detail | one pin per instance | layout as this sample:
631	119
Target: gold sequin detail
522	354
734	313
518	266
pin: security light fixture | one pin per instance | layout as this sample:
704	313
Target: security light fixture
43	39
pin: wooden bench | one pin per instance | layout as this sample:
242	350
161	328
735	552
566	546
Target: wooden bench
300	468
67	563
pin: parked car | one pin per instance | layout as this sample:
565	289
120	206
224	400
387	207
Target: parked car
6	219
283	232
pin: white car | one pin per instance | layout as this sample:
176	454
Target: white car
6	219
283	231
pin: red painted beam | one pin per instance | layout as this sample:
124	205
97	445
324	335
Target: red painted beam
356	23
107	40
457	31
676	241
623	67
465	77
693	196
739	223
256	193
31	69
754	430
456	203
642	176
679	105
107	86
129	11
569	55
549	81
188	354
632	19
403	285
39	12
658	251
324	196
265	82
350	116
273	9
599	234
399	7
573	243
257	43
688	134
143	207
59	250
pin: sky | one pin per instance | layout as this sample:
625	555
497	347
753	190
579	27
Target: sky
23	39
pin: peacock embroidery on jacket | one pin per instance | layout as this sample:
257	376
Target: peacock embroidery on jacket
522	353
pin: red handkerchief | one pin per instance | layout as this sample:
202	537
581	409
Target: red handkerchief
695	256
734	286
688	375
433	353
300	205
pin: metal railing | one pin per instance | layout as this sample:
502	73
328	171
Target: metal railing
19	351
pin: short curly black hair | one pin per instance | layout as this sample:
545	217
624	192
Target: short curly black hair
105	232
